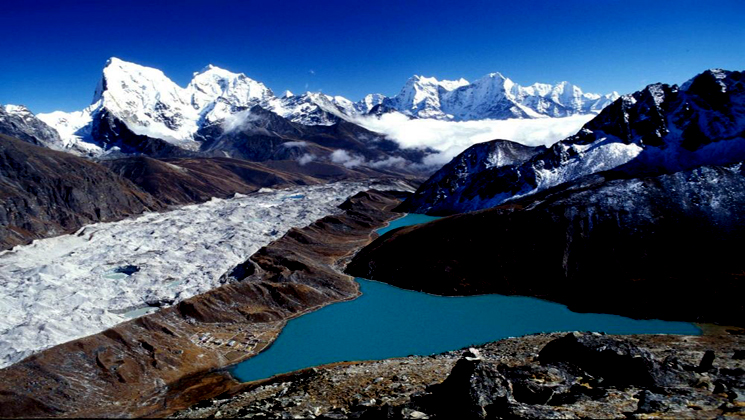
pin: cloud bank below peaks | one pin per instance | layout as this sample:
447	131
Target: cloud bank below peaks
450	138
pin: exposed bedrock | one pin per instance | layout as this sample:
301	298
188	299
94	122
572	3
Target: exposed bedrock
593	375
171	359
667	247
20	123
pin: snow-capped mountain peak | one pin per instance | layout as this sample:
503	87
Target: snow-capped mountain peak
714	75
19	110
314	108
659	129
495	81
496	75
422	83
421	96
493	96
369	102
218	93
236	88
17	121
453	84
148	103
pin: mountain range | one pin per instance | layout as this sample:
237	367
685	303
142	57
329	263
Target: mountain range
493	96
640	213
660	129
137	109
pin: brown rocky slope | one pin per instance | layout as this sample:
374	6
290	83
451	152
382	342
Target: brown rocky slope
45	193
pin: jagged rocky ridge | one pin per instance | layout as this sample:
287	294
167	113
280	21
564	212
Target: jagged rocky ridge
158	363
665	246
661	129
494	96
576	375
18	122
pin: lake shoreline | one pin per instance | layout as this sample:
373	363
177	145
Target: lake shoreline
399	387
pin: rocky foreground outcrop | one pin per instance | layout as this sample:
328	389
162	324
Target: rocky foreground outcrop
666	247
173	358
576	375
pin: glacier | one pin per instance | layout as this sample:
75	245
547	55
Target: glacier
62	288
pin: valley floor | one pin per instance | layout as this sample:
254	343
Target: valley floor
59	289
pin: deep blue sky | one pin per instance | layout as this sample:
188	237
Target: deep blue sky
52	53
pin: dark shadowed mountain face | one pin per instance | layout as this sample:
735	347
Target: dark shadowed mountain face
19	122
109	132
489	166
190	180
667	246
46	193
661	129
260	135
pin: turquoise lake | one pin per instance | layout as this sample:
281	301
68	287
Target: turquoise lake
390	322
409	219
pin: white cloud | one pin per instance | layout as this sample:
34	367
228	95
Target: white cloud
239	121
388	162
348	160
306	158
450	138
295	144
